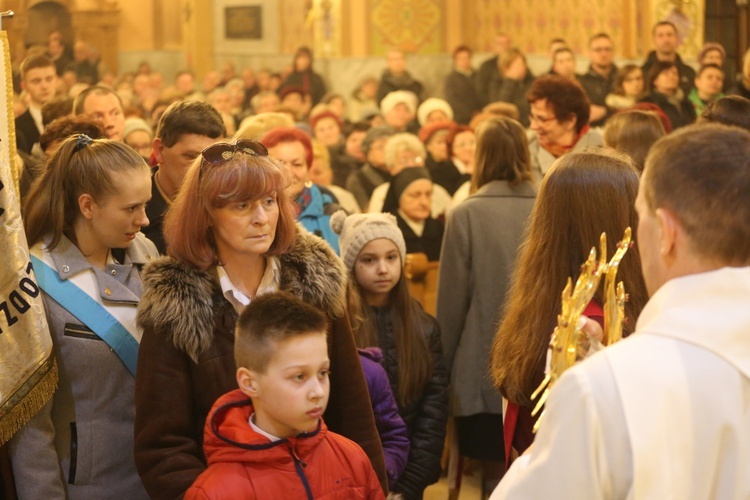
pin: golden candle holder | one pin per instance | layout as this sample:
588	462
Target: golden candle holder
568	343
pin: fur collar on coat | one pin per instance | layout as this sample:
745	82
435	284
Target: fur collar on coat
180	301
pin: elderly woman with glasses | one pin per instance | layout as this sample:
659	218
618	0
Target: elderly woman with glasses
559	121
231	236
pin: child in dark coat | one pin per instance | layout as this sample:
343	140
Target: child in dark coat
383	314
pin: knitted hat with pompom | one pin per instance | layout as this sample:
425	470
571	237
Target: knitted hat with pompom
357	230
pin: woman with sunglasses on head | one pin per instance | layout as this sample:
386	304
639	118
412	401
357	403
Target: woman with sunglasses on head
231	236
83	218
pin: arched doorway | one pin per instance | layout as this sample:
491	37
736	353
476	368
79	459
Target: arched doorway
44	18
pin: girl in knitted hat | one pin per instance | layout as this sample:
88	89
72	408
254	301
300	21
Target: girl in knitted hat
385	315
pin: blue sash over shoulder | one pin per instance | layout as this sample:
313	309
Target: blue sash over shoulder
89	312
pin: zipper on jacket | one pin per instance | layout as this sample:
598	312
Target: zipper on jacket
298	465
73	453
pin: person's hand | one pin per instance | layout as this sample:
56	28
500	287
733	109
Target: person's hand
592	328
593	331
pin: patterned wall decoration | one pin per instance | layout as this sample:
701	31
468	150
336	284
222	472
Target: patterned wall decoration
295	30
689	17
414	26
532	25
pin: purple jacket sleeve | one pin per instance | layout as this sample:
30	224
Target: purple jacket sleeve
391	427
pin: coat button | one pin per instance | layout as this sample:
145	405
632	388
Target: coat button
65	269
108	291
114	272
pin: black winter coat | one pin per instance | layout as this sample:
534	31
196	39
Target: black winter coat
309	80
426	417
391	83
679	116
462	93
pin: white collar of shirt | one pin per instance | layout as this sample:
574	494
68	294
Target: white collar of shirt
416	226
261	431
268	283
460	166
36	114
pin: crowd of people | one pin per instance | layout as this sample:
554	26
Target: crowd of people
249	238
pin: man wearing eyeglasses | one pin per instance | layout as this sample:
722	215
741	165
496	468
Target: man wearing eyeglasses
184	130
600	78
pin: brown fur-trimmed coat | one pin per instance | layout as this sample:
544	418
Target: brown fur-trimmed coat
186	362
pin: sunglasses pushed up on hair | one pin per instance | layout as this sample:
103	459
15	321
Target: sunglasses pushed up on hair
218	153
221	152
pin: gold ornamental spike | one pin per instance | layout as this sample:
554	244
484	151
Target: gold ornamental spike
563	345
614	298
568	345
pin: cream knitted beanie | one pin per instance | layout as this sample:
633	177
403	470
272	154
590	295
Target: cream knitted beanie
357	230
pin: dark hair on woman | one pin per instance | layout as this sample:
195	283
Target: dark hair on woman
79	166
508	57
58	107
655	71
565	97
302	51
633	132
502	153
62	128
584	194
245	177
412	352
729	110
620	77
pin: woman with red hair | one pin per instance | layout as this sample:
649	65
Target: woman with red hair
315	203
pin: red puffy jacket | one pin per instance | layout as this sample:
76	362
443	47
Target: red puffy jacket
244	464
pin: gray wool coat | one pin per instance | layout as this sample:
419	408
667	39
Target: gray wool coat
481	240
80	445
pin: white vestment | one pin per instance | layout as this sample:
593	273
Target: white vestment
663	414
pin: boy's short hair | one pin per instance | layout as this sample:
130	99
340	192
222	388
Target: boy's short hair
708	66
268	320
40	61
189	117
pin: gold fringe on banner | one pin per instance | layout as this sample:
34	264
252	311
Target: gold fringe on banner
28	399
15	167
28	372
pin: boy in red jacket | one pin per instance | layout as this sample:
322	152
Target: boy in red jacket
267	439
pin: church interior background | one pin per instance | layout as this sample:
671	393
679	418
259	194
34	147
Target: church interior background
351	37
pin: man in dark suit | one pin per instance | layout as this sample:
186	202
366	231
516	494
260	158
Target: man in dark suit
39	80
460	87
666	41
